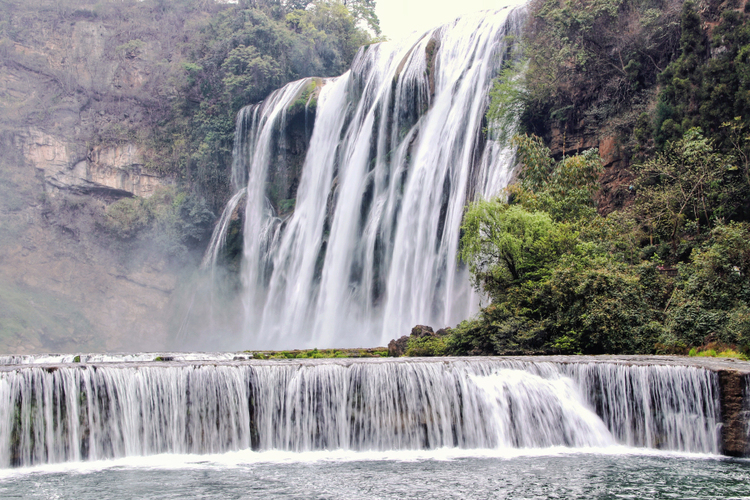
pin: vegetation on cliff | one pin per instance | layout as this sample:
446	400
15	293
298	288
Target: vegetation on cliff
666	273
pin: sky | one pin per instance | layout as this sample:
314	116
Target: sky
399	18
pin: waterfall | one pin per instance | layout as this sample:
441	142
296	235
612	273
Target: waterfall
68	412
356	240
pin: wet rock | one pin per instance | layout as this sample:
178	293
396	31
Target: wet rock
420	331
397	348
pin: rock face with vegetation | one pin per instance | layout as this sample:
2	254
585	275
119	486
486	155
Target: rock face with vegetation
115	139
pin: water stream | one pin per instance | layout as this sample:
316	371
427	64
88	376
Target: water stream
397	147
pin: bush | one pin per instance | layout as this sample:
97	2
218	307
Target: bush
426	346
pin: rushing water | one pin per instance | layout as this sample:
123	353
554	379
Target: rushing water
397	147
58	413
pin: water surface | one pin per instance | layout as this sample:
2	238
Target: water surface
616	472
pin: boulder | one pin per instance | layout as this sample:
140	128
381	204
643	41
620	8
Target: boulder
420	331
397	348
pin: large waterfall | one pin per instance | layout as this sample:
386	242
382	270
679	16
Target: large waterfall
356	241
68	411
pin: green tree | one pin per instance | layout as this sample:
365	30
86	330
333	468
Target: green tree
710	300
591	59
564	189
506	244
249	75
170	222
681	81
364	11
681	189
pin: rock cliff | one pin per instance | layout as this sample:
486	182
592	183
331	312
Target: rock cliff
66	96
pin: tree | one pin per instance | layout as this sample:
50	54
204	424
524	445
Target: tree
591	58
249	75
364	11
563	189
506	244
681	187
711	296
681	81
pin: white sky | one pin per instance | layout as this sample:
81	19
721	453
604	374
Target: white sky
398	18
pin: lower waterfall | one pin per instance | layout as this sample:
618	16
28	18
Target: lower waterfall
71	412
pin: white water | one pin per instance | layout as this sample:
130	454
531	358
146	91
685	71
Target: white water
61	413
396	151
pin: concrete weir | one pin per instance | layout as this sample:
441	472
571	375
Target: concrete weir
94	407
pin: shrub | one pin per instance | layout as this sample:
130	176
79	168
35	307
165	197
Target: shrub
426	346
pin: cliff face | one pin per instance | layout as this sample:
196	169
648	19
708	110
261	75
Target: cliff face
116	122
62	285
66	96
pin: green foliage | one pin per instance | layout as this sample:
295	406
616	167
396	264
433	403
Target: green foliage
363	11
426	346
706	87
506	244
682	80
681	188
710	296
591	59
588	299
564	189
320	353
241	55
507	99
307	98
249	75
711	353
554	288
127	217
666	273
586	305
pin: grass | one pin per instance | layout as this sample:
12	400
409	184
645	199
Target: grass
712	353
377	352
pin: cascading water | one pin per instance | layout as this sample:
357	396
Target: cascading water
396	150
54	413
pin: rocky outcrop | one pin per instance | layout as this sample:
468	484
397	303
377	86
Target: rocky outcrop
397	347
69	94
108	171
